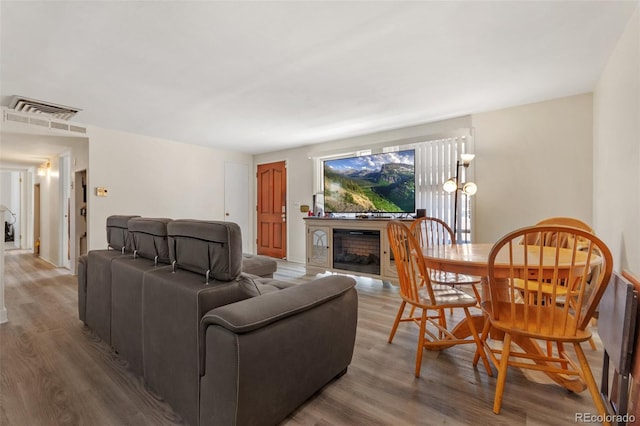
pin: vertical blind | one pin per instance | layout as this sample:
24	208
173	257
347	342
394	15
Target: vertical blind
435	163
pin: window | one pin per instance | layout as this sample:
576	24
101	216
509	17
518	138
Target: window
435	162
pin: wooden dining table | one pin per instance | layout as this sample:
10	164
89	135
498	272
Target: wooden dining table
472	259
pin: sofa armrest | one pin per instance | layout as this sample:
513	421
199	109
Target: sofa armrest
257	312
266	355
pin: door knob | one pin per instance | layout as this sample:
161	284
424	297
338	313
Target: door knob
226	214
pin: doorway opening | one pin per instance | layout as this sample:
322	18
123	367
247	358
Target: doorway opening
80	213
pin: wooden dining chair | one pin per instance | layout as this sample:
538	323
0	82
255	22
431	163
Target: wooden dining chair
525	314
564	241
430	300
431	231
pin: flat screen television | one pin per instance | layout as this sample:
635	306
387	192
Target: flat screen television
371	183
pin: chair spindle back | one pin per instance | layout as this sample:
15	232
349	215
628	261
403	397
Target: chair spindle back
527	274
409	262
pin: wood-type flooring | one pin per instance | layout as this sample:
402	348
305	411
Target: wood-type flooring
55	371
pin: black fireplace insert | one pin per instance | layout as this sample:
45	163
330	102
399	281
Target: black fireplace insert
357	250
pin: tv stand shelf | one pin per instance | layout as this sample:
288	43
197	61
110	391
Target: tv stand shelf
368	253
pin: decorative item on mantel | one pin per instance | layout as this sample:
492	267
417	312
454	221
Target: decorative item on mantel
318	204
454	185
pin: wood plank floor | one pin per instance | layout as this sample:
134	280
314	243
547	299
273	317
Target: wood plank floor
55	371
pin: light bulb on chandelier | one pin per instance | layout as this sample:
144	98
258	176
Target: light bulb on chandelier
453	185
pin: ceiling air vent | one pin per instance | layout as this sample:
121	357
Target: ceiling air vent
22	104
39	122
60	126
17	118
42	122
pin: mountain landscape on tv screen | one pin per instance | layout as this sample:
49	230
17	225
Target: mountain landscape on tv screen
376	183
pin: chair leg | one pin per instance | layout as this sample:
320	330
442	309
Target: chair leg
477	293
502	373
563	364
397	321
412	311
479	345
442	318
423	326
483	339
592	344
591	383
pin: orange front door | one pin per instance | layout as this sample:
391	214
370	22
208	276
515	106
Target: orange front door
272	214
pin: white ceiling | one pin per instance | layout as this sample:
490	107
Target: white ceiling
263	76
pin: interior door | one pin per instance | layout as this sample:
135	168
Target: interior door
36	218
65	193
271	210
237	201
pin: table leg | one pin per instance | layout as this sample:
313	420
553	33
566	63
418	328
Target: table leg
462	330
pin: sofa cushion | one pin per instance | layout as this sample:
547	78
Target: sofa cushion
98	291
206	247
261	266
127	274
256	286
117	232
173	304
148	238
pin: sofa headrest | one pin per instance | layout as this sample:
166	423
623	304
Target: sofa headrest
148	238
210	248
117	232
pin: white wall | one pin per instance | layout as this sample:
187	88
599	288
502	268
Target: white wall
617	150
532	162
26	206
300	171
50	213
16	198
10	198
3	309
153	177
